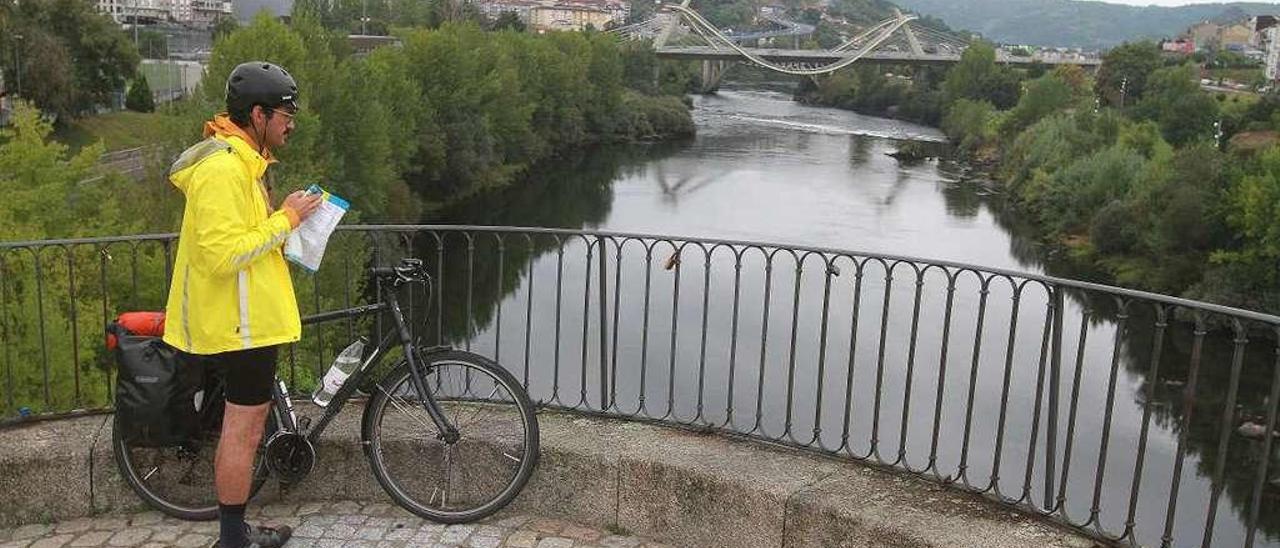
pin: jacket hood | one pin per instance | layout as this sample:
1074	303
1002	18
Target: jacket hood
221	136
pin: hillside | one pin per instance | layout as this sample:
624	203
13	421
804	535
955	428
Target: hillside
1075	22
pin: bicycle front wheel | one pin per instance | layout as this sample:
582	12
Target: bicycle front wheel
466	479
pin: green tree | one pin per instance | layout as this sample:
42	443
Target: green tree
101	58
1043	96
139	98
152	45
1174	100
224	26
978	77
1122	78
508	20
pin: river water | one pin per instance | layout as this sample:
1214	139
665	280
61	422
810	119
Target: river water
777	362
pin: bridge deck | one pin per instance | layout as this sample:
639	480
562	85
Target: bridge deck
820	57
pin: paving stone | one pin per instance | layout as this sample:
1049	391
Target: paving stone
32	531
133	536
371	533
455	534
78	525
95	538
546	526
617	541
523	539
315	526
477	541
194	540
340	531
53	542
354	519
146	518
555	542
309	530
400	533
310	508
279	510
344	508
581	534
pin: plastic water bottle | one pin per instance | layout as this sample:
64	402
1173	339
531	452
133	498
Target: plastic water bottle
343	366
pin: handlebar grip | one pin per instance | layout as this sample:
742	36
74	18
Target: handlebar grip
383	272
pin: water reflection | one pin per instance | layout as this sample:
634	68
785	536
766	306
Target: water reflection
926	367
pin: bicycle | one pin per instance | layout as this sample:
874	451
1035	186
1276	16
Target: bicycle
421	429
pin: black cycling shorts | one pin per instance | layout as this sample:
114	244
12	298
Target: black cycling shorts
249	374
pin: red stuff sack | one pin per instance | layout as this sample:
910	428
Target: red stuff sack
147	324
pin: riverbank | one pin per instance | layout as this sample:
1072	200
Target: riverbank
1149	195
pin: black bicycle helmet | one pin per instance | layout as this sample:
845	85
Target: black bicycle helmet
260	83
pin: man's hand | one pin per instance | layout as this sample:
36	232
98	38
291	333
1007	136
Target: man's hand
303	203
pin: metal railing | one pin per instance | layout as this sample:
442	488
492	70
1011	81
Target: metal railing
1125	415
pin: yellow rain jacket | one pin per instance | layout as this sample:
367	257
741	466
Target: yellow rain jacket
231	288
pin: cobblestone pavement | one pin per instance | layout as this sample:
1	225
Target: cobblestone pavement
323	525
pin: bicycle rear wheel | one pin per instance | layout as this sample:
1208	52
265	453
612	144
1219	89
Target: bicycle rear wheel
179	480
477	474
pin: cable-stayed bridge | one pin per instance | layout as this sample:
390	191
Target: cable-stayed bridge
679	32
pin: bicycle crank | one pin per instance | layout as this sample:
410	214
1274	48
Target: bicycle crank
290	456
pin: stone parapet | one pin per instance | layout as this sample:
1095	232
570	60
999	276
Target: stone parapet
673	485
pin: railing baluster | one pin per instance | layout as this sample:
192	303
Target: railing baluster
942	374
884	333
1071	411
528	312
602	270
791	354
1121	324
733	335
471	284
702	345
1225	428
4	331
75	327
677	251
555	374
1153	377
963	469
1039	398
1188	409
586	326
1002	419
911	369
44	341
853	355
829	272
764	339
1260	478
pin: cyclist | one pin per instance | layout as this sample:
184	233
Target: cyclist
231	301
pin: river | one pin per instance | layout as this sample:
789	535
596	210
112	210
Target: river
764	168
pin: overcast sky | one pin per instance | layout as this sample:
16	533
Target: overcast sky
1175	2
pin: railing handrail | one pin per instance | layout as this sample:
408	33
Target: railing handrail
1051	280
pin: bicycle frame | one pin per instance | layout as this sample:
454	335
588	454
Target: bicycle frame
283	405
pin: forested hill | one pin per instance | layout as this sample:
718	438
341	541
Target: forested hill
1075	22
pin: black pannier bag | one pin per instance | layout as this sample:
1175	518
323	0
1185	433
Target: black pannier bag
158	393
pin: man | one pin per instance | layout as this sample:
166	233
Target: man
231	301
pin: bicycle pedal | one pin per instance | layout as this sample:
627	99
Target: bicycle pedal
304	423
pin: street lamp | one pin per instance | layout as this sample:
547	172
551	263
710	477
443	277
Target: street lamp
17	64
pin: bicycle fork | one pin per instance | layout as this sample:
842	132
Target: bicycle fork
448	431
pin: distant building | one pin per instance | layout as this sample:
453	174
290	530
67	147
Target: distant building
1235	37
195	13
1204	33
521	8
1266	36
568	17
1182	45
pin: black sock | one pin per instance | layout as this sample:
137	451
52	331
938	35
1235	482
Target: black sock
231	526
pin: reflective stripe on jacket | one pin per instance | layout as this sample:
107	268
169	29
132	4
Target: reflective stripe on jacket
231	288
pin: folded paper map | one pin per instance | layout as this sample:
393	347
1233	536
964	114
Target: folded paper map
305	245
